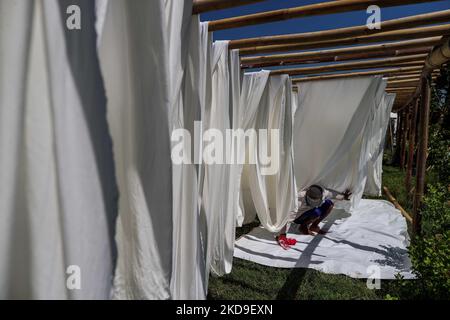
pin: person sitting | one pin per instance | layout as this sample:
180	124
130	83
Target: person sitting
315	205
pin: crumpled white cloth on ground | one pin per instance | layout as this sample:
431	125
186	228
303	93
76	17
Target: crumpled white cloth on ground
373	238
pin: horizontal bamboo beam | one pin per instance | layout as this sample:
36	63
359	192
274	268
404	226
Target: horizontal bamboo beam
408	61
437	58
388	25
412	33
411	76
406	82
323	8
385	72
347	57
397	205
401	82
401	89
362	52
202	6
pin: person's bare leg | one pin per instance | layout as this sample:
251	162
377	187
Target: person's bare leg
315	225
304	227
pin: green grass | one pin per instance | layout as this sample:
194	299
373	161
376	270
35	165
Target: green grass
394	180
250	281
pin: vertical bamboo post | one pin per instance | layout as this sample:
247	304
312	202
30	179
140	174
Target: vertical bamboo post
405	122
422	152
412	145
398	139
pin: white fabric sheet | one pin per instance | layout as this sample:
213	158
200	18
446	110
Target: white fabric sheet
374	235
273	195
57	188
252	92
220	182
189	274
331	133
378	130
143	51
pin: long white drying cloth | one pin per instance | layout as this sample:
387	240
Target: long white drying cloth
372	241
273	196
379	127
330	133
57	188
220	182
143	50
252	92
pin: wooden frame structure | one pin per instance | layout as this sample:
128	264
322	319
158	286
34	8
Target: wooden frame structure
407	51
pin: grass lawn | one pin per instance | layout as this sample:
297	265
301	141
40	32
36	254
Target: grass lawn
249	280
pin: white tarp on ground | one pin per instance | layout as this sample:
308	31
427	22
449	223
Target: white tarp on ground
330	133
273	194
379	126
375	234
57	188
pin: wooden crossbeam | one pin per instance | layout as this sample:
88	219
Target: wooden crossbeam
437	58
388	25
408	47
316	9
408	61
405	34
408	76
385	72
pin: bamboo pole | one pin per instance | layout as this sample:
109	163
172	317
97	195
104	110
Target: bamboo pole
345	57
401	90
422	152
398	138
388	25
411	76
408	61
201	6
412	33
404	83
324	8
438	57
412	146
397	205
410	83
406	122
362	52
385	72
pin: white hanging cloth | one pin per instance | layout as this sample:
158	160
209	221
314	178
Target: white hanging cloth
143	51
252	92
378	132
272	189
330	136
57	188
189	272
219	193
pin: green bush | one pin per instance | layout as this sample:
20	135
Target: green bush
436	213
430	252
430	257
439	153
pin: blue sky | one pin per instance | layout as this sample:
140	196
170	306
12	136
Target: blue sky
311	23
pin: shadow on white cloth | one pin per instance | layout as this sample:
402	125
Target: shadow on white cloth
375	234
